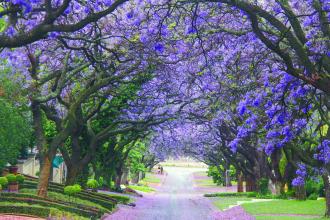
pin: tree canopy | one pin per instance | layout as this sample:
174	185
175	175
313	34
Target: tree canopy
230	82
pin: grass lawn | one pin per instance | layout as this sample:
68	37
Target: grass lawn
308	207
151	178
205	182
287	218
142	188
224	202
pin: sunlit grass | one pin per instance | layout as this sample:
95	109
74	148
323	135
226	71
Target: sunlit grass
224	202
287	218
308	207
142	188
151	178
205	182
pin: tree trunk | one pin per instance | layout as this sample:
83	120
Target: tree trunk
44	175
279	187
72	175
124	177
240	182
327	194
118	181
300	192
251	185
228	181
227	174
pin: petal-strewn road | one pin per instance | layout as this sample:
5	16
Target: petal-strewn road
176	199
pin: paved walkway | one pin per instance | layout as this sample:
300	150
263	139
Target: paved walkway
176	199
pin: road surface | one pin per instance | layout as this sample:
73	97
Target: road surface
176	199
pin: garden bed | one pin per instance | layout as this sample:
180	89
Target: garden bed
83	205
86	211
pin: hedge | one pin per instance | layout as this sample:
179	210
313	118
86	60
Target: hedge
65	208
239	194
106	203
27	210
32	196
122	199
56	187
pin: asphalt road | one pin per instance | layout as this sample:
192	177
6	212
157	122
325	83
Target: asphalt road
176	199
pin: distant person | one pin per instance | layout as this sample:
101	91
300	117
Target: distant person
161	170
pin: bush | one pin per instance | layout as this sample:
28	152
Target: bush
251	194
11	178
101	181
92	184
314	187
313	196
263	186
3	181
321	190
72	190
20	178
216	176
291	193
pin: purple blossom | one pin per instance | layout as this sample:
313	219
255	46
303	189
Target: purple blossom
301	173
159	48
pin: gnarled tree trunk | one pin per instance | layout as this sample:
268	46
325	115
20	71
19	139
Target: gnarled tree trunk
72	174
327	194
251	184
240	187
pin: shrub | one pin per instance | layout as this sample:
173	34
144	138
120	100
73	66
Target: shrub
92	184
313	196
263	186
11	178
265	196
314	187
20	178
3	181
216	176
281	196
251	194
101	181
72	190
77	188
321	189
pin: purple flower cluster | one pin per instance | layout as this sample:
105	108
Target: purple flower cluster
323	151
301	175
